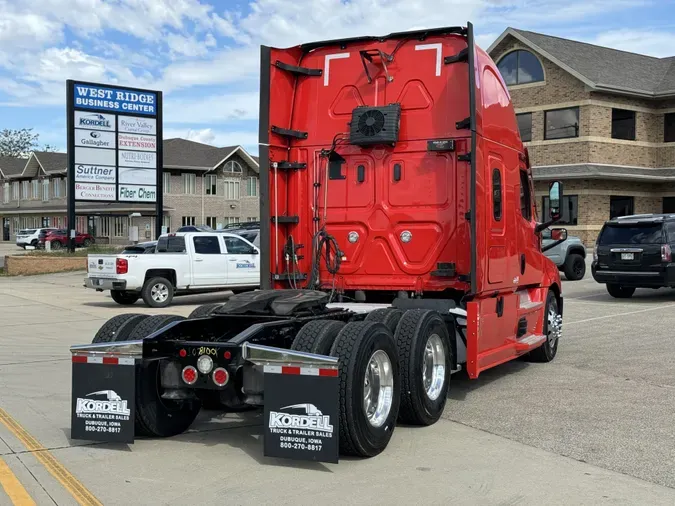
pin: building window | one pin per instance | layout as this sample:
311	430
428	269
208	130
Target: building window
166	222
496	194
231	219
57	187
569	211
561	123
211	222
25	187
45	190
35	189
232	190
5	194
252	218
119	226
623	124
520	67
189	183
668	205
166	182
210	184
525	126
234	167
525	196
252	187
188	221
669	127
15	190
620	206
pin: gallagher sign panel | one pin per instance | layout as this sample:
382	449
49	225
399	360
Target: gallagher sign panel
114	142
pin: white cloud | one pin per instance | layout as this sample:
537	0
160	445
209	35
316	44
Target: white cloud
652	43
213	109
249	140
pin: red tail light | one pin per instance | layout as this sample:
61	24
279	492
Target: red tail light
220	376
666	253
122	266
189	375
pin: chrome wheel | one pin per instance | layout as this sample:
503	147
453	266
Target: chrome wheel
159	292
433	367
378	388
554	326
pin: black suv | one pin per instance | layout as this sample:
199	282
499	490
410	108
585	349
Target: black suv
635	252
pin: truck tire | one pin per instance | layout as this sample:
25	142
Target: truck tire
124	298
575	267
204	310
548	350
390	316
157	292
157	417
317	336
365	349
152	324
110	328
620	292
425	355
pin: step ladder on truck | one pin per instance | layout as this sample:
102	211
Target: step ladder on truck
399	244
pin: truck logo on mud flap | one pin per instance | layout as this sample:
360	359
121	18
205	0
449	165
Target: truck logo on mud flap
313	419
113	405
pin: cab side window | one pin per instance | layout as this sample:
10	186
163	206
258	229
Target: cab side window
236	246
525	197
496	194
206	245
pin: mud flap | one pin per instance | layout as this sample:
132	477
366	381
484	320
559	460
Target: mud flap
302	411
103	398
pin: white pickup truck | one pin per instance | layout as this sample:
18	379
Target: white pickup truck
183	263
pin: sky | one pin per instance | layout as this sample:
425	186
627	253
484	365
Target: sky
204	55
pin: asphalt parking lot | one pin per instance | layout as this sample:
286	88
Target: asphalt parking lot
594	426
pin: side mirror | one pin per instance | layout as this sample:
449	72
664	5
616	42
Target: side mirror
254	252
555	197
559	234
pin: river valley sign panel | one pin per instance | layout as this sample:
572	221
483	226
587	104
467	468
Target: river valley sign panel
114	143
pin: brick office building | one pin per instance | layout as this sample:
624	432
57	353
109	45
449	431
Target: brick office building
202	185
599	119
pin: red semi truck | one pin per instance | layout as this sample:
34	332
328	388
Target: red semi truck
399	244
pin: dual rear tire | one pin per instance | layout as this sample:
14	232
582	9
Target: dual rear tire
394	366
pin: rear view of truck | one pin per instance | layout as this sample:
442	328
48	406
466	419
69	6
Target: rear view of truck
399	244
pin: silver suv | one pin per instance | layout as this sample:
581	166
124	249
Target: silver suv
569	255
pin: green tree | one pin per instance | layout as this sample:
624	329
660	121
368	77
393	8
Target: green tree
20	143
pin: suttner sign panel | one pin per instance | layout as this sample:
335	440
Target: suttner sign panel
114	143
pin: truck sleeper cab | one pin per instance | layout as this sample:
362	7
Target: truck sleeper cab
399	243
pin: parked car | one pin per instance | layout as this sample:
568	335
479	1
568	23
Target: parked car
59	239
251	235
183	263
31	236
243	225
635	252
195	228
569	256
142	248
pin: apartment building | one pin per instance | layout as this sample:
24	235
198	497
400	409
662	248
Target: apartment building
203	184
599	119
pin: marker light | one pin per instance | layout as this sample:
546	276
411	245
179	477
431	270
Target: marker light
182	353
227	355
189	374
220	376
204	364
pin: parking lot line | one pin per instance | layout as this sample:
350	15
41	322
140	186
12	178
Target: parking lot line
622	314
60	473
13	487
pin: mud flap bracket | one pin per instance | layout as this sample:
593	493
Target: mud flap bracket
293	69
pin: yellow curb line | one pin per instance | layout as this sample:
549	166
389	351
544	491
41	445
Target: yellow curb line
60	473
13	487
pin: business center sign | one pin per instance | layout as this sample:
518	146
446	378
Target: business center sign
113	137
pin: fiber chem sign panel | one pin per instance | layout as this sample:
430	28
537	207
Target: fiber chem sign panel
113	136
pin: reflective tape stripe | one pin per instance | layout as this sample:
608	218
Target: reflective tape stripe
302	371
86	359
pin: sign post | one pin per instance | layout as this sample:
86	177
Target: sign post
114	147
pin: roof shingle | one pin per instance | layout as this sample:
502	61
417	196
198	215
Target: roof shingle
12	166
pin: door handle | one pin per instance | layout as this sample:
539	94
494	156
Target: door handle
199	259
